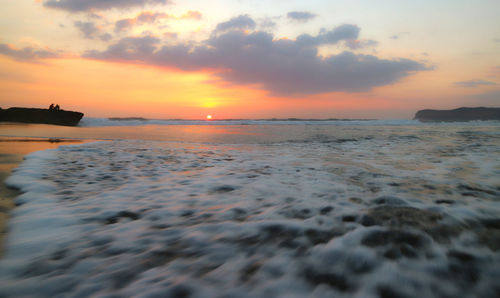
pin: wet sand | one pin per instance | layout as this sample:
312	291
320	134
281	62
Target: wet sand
12	152
373	211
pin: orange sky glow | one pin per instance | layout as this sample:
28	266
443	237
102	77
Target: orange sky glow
190	60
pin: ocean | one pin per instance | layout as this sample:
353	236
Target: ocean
256	208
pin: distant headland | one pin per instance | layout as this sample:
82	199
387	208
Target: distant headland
458	115
44	116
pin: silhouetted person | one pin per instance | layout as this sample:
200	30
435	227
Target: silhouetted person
56	108
51	106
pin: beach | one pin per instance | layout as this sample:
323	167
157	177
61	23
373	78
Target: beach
377	209
12	152
248	149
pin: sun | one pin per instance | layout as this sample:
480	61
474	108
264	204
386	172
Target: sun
209	117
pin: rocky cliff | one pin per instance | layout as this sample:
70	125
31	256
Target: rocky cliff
460	114
46	116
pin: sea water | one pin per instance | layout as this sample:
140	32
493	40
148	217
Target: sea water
257	209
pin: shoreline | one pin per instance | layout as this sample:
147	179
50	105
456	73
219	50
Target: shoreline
12	152
386	209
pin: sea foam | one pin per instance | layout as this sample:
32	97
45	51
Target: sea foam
97	122
369	217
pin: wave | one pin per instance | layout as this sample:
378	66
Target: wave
376	217
137	121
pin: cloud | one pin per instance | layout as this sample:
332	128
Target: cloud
267	23
89	29
281	66
301	16
93	5
239	22
343	32
127	49
27	54
496	40
192	14
171	35
96	16
149	17
124	24
142	18
106	37
399	35
360	44
474	84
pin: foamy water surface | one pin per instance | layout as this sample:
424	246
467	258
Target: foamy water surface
355	211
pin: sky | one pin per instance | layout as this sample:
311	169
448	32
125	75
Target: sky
250	59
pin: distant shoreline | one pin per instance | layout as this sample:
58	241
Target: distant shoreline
463	114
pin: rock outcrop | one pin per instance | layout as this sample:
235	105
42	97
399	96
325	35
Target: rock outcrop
45	116
460	114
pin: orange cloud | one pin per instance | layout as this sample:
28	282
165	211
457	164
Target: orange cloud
282	67
28	54
192	14
149	17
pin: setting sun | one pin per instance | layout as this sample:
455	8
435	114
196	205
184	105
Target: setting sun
209	117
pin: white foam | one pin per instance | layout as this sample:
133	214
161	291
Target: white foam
141	218
97	122
39	226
